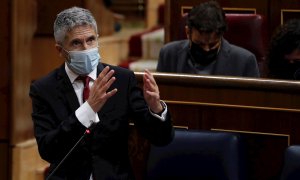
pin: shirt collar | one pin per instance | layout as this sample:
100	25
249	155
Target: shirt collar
72	76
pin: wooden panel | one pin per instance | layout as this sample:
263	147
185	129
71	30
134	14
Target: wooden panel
287	14
277	17
40	47
4	68
4	160
47	11
20	123
130	9
265	112
227	10
26	162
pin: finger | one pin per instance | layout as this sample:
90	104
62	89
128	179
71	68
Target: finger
149	85
108	76
105	79
152	94
146	85
147	71
111	93
102	74
107	85
148	75
148	78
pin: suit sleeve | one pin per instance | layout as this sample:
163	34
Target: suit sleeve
161	63
55	136
158	132
252	69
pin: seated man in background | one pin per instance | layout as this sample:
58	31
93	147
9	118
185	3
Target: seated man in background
206	51
284	52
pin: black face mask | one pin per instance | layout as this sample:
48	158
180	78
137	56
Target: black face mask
203	57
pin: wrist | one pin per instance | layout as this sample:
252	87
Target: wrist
161	107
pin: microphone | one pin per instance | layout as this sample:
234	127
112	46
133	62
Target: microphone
86	132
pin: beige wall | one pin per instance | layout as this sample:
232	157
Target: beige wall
44	56
23	28
24	158
26	162
103	16
152	12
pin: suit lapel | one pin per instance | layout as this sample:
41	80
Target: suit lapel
182	57
110	104
223	58
65	89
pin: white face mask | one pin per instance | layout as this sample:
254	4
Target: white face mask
83	62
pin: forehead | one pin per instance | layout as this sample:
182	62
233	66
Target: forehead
80	32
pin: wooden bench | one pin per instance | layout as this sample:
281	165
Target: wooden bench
265	112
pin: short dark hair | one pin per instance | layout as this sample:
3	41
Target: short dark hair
207	17
285	40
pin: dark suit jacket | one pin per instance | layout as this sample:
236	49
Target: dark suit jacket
105	151
231	60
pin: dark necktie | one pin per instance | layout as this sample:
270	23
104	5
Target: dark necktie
86	89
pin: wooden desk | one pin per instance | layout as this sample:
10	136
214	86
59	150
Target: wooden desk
265	112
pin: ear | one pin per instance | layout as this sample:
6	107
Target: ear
188	32
59	50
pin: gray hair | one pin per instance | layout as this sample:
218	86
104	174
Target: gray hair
69	18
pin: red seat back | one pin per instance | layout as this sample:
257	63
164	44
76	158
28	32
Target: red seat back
250	32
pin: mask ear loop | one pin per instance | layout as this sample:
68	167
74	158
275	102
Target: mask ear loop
67	53
190	37
220	44
98	46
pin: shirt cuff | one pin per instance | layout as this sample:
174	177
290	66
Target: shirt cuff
86	115
163	115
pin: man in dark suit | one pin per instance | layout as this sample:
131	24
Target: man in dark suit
111	97
206	51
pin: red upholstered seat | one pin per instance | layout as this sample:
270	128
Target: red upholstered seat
250	32
135	47
135	40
